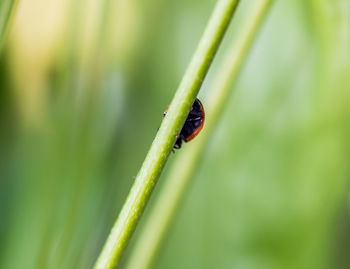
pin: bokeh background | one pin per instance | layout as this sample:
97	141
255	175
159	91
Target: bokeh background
83	85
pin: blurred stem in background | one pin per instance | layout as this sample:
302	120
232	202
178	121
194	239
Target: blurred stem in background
7	8
165	138
171	195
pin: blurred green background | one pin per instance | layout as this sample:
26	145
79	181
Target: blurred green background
83	85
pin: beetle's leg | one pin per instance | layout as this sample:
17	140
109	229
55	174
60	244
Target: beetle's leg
178	142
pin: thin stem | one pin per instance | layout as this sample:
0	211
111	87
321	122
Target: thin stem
165	138
7	8
161	216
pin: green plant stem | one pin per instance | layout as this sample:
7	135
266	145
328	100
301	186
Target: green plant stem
165	138
7	8
161	216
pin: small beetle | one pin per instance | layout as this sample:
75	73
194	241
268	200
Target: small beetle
193	124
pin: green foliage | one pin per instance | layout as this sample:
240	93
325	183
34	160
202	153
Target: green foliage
6	9
82	95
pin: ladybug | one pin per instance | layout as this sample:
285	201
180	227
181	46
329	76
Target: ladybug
193	124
